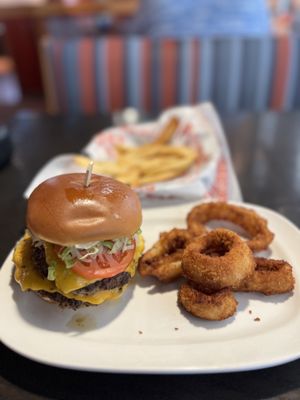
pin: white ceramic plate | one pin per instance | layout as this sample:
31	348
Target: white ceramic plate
146	332
61	164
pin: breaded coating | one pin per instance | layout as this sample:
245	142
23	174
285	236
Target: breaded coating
255	225
214	306
217	260
269	277
164	258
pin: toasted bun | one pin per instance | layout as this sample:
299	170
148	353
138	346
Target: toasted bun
60	300
66	302
62	210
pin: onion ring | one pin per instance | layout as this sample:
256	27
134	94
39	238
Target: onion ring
217	260
164	258
214	306
255	225
269	277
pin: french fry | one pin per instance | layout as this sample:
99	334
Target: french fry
153	162
168	131
101	167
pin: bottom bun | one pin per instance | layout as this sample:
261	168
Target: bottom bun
65	302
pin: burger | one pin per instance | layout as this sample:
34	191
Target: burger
82	242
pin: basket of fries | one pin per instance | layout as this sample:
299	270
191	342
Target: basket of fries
182	155
174	156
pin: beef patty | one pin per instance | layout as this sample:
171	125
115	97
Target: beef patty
117	281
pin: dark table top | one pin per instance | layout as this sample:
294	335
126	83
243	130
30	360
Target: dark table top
266	155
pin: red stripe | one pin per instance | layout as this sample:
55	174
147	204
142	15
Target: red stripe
169	73
115	62
87	75
195	73
146	74
58	73
283	51
219	189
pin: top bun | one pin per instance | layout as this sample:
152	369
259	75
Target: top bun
62	210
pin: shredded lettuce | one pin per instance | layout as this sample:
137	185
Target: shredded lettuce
67	257
118	246
108	243
85	245
52	271
81	252
36	242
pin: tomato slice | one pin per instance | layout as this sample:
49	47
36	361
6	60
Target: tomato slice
104	265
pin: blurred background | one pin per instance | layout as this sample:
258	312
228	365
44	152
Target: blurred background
95	56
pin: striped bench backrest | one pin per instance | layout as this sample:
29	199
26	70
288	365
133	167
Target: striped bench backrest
102	74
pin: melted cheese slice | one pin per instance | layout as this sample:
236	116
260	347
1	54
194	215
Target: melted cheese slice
66	281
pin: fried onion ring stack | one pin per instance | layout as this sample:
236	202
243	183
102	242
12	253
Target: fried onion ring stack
214	263
217	263
218	260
